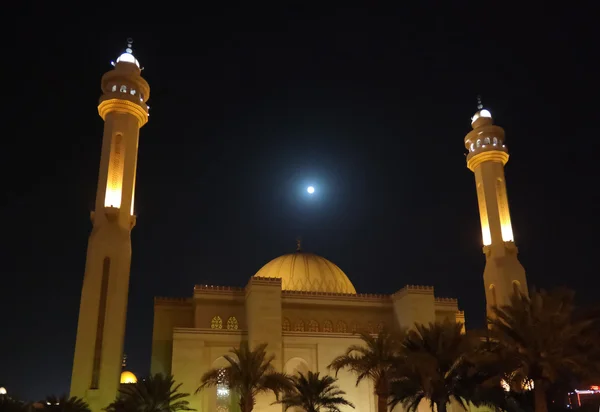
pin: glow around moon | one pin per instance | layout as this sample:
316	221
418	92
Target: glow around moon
310	189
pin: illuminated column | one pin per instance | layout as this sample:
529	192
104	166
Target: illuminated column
103	307
503	275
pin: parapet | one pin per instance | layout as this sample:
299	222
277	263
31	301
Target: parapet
217	288
168	301
414	290
263	281
446	300
291	293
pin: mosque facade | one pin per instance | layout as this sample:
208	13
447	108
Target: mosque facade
301	304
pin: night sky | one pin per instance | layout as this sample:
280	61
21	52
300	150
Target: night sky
248	107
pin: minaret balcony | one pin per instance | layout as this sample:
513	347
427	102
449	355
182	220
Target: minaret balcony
487	153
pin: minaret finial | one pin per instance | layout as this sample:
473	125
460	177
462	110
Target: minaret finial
479	104
129	44
124	362
298	244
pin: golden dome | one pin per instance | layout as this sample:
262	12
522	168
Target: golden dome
128	377
307	272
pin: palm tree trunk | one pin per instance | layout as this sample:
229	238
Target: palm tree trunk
382	402
246	404
540	397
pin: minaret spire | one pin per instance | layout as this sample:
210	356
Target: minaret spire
98	357
504	275
479	104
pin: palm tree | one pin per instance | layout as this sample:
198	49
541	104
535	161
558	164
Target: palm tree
372	360
314	394
9	404
157	393
437	364
250	372
65	404
546	340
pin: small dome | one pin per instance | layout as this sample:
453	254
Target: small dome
481	113
128	377
2	390
128	58
307	272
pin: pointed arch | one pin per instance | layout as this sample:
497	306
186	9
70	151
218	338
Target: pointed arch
341	326
516	288
313	326
494	301
232	323
286	325
216	323
299	326
328	326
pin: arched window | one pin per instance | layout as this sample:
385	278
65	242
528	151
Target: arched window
223	398
216	323
341	327
493	295
516	288
478	143
370	327
313	326
132	91
232	323
380	327
354	327
114	88
299	326
327	326
285	325
472	147
486	140
495	141
123	89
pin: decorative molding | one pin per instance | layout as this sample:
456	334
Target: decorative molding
123	106
169	301
218	288
290	293
494	154
446	300
414	290
261	279
208	331
510	247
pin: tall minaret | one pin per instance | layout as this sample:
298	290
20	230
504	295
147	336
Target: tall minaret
503	275
103	307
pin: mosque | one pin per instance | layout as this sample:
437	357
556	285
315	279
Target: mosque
304	306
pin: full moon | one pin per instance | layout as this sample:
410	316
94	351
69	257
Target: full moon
310	189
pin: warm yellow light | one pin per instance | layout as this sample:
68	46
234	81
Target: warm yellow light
507	233
114	182
483	215
2	391
128	377
505	225
486	236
